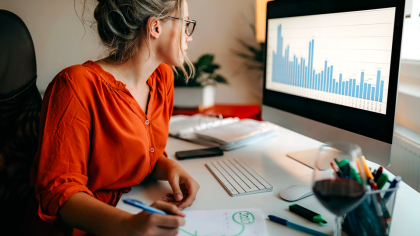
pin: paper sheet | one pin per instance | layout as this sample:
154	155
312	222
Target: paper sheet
238	222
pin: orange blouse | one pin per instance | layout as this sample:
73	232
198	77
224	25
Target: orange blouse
95	138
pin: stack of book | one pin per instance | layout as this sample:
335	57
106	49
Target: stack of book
228	133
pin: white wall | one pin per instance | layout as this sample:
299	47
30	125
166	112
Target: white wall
59	42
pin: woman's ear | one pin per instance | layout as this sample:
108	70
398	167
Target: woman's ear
155	27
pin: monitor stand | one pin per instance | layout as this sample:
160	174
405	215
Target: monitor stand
306	157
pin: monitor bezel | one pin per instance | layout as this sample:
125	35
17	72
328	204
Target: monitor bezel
379	126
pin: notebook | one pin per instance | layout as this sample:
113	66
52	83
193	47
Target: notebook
182	126
228	134
244	222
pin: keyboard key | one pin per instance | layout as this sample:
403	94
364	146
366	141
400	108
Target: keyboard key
247	185
253	173
222	179
238	178
229	178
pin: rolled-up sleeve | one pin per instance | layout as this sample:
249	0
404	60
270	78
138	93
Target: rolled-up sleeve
169	75
60	166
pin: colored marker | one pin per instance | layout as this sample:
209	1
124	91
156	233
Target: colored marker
355	176
382	180
365	166
378	174
295	226
377	205
345	167
307	214
336	170
358	165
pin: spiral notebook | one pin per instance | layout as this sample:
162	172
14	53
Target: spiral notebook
228	133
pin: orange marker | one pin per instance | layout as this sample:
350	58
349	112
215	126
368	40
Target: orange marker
367	171
358	165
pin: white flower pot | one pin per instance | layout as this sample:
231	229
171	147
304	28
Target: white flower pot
195	97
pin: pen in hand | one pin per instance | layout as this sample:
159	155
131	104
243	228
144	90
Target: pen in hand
147	208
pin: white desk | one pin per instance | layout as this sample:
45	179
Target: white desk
269	159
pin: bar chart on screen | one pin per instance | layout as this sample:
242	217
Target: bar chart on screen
340	58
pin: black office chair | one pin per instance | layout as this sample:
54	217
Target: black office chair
20	105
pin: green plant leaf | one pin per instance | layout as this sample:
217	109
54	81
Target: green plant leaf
210	69
253	54
248	46
205	60
204	75
243	55
252	26
220	79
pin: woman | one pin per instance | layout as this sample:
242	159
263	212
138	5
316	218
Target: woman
104	126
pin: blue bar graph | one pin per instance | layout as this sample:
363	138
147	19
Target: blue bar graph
302	74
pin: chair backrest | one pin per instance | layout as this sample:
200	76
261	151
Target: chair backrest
20	105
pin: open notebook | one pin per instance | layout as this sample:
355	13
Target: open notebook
228	133
243	222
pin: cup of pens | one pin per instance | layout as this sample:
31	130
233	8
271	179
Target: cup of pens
373	216
337	182
344	184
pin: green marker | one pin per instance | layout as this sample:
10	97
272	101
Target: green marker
382	180
355	176
307	214
344	166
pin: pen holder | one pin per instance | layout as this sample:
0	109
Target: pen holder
371	217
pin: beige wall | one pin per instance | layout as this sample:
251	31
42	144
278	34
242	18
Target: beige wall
59	42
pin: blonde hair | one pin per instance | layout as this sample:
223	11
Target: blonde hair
122	24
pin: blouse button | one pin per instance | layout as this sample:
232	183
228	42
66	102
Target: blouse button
152	150
147	122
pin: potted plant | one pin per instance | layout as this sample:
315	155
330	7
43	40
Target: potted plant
254	56
198	92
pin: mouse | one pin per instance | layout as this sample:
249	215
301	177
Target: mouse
296	192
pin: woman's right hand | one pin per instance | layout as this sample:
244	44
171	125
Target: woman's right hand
147	224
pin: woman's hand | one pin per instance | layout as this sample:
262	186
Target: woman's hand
146	223
184	187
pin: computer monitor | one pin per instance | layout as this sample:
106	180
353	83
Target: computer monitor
331	72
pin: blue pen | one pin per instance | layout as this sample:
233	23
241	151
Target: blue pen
295	226
141	205
394	184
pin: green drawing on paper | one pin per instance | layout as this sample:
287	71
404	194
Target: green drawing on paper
241	217
188	232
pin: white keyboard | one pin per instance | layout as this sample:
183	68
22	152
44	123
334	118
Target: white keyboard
238	178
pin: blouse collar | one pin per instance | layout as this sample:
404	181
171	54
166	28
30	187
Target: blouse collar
111	79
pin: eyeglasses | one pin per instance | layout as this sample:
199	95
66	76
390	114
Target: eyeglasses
189	26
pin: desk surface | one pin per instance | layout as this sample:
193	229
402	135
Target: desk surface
269	159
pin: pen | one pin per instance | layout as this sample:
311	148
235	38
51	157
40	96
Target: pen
377	205
394	184
295	226
141	205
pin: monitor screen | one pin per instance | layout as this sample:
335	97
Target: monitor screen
337	64
340	58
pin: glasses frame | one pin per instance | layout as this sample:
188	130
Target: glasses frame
188	21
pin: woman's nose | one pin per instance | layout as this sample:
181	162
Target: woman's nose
189	39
